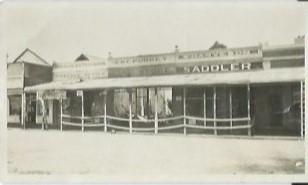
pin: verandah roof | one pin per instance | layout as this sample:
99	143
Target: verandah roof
252	77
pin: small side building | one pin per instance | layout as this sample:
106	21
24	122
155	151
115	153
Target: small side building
27	69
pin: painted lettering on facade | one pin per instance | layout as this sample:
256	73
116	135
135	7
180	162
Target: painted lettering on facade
188	56
218	68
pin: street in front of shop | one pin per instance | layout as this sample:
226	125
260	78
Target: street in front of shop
52	152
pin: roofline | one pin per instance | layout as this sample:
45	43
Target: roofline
184	52
29	50
285	46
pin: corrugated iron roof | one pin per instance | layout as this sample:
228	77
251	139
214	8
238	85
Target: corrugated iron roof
251	77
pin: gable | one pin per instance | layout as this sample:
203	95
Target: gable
82	57
28	56
86	57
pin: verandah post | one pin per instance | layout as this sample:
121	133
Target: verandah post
61	115
141	102
23	104
204	107
42	106
156	114
184	108
302	109
230	108
105	110
82	111
214	100
22	121
130	113
248	109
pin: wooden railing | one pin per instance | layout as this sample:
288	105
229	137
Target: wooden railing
149	125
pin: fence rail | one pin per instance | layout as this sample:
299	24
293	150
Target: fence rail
129	127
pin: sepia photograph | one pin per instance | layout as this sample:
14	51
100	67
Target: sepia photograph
153	91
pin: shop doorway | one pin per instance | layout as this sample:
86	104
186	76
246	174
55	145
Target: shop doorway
56	113
276	108
30	118
275	111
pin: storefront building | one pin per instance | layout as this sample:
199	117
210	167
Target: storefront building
256	90
27	69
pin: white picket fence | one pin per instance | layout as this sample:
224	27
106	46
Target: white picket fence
148	125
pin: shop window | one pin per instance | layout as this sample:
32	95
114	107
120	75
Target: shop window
254	51
140	103
239	102
165	108
39	107
97	103
72	104
121	103
143	103
177	101
209	102
14	105
222	102
194	101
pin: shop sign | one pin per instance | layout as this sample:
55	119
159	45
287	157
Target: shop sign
51	95
218	68
79	93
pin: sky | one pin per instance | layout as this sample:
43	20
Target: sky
60	31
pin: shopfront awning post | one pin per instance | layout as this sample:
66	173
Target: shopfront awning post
248	109
148	102
130	113
141	102
156	114
230	107
105	111
61	114
204	107
214	99
23	107
184	108
302	109
82	111
37	101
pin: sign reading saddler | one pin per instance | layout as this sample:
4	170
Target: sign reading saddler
219	68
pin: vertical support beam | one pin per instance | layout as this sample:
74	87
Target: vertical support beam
204	106
23	104
42	106
214	100
82	111
230	108
148	102
22	97
248	109
105	110
142	102
136	99
130	112
166	102
184	108
156	114
302	109
61	114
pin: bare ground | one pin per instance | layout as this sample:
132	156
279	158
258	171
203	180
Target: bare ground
73	152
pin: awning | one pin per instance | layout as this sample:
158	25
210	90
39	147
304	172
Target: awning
58	85
17	91
251	77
